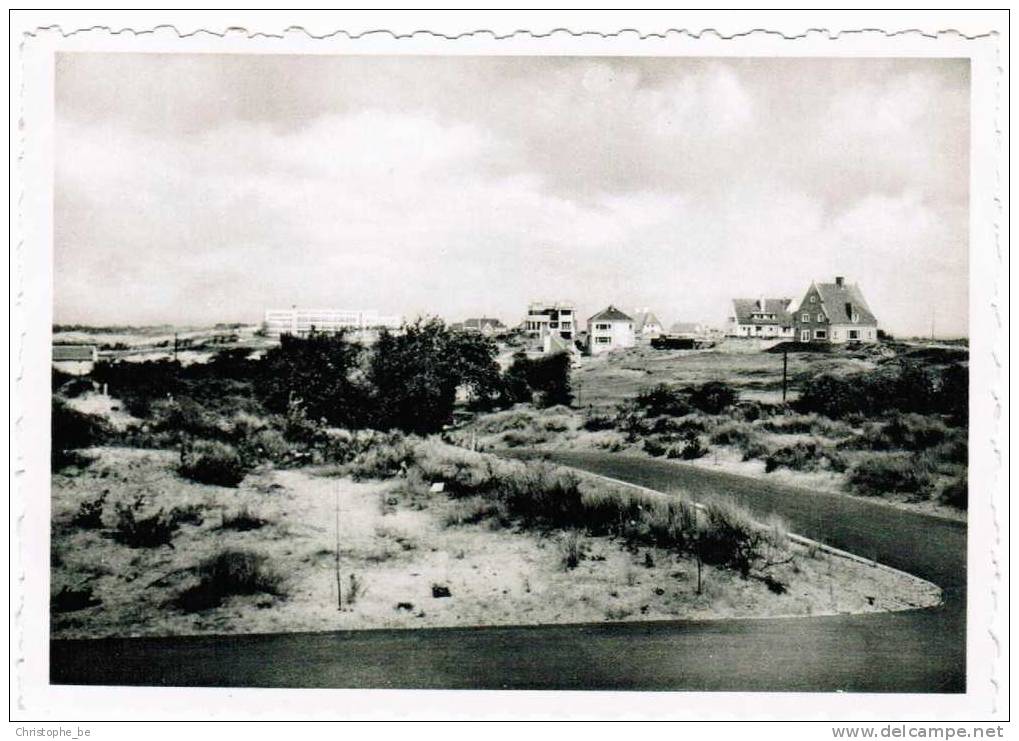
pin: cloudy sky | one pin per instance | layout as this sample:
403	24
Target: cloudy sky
203	188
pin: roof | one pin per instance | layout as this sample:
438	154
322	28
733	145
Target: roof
686	328
74	353
644	318
611	314
839	300
482	322
745	308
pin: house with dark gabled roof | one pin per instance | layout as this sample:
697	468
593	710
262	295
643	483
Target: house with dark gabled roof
609	329
760	317
485	325
834	313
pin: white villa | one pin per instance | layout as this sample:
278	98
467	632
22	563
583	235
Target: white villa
301	322
609	329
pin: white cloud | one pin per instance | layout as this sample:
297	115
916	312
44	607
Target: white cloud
467	186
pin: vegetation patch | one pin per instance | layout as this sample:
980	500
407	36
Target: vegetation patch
228	573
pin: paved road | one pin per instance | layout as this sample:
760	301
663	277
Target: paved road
911	651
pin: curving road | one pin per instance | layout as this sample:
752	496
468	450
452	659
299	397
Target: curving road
910	651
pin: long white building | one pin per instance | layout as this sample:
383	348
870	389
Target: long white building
301	322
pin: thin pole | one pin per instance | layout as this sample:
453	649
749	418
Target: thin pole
339	584
785	373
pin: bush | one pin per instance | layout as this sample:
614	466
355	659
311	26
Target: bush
472	510
900	474
692	449
743	437
90	513
805	456
242	519
956	493
545	380
143	532
663	400
211	462
72	430
383	456
654	446
599	422
713	397
729	537
571	550
230	572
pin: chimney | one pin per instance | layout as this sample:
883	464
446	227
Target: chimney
760	303
839	281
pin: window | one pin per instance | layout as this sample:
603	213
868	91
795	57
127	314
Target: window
854	334
820	334
820	317
603	326
813	299
602	340
757	328
805	335
805	317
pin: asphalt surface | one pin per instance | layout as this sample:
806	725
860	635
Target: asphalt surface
909	651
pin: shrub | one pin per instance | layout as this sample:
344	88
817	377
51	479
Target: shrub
956	493
903	431
663	400
230	572
242	519
713	397
383	456
188	514
741	436
599	422
472	510
805	456
692	449
70	599
881	475
545	379
143	532
267	444
520	438
571	550
212	462
90	513
654	446
72	430
729	537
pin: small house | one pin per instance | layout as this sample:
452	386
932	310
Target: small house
760	317
609	329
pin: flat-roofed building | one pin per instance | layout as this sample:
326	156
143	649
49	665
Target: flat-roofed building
545	317
301	322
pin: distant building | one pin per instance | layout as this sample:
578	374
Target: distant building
646	324
760	317
687	329
76	360
485	325
301	322
609	329
550	317
834	313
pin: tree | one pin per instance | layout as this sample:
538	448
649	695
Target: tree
415	374
321	372
546	379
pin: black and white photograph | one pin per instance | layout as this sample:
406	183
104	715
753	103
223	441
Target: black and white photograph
570	368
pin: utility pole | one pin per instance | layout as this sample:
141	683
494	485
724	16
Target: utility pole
175	347
339	583
785	373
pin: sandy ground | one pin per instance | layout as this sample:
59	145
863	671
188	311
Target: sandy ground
396	546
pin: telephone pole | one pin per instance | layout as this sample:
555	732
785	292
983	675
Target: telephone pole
785	373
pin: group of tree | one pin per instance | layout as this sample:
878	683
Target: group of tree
409	380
